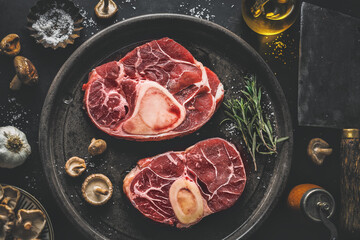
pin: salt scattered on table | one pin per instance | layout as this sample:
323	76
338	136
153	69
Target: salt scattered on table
88	21
198	11
54	26
201	12
230	128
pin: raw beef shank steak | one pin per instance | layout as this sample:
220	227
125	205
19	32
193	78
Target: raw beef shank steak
157	91
180	188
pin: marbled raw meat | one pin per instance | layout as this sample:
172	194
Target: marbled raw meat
157	91
214	165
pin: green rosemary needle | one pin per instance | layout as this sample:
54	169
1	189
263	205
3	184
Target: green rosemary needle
249	119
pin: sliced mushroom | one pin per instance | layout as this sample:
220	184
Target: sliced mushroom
7	218
1	192
25	73
75	166
97	147
105	9
318	149
11	196
29	224
10	45
186	201
97	189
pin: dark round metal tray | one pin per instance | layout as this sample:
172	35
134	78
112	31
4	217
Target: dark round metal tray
65	131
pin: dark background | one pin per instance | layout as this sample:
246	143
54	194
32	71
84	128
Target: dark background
22	109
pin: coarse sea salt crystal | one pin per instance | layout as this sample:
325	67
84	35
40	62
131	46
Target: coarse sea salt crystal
200	12
54	26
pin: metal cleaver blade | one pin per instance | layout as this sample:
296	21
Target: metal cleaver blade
329	69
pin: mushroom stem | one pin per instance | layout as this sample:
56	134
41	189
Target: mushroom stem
106	6
100	190
77	169
326	151
3	218
105	9
5	201
15	83
27	225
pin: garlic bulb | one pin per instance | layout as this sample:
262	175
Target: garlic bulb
14	147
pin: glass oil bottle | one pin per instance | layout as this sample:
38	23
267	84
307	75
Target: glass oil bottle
270	17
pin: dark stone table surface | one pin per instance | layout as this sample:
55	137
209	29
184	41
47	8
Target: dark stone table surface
22	109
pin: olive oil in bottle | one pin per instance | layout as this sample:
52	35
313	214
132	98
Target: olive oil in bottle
270	17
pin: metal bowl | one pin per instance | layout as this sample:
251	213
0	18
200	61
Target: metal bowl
29	202
43	8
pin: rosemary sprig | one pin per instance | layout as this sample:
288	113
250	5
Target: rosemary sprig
254	126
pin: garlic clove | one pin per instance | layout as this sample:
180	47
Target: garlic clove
186	201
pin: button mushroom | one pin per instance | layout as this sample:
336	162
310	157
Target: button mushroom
317	150
29	224
97	189
7	218
14	147
97	147
10	45
75	166
25	73
11	196
105	9
186	201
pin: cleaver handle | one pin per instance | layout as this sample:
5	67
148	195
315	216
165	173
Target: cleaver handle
350	183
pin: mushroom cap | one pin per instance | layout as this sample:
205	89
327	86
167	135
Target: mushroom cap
97	147
1	192
318	149
10	45
11	196
26	71
29	224
92	185
102	12
75	166
7	218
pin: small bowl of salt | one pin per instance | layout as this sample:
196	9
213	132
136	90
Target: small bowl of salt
55	24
